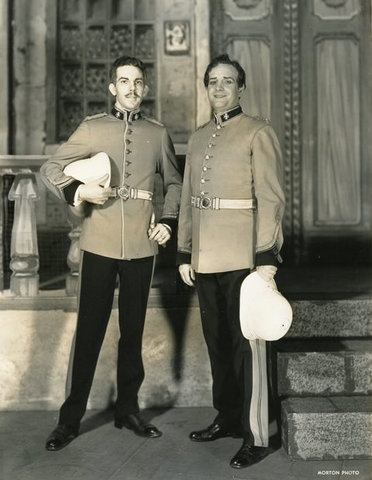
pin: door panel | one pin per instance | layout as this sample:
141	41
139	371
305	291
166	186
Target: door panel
337	192
336	222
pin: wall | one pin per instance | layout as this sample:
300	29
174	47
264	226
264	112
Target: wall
35	348
180	96
179	78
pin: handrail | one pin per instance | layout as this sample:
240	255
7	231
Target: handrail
32	162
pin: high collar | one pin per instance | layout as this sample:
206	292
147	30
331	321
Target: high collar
129	116
223	117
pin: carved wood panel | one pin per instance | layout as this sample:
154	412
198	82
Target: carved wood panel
336	170
335	96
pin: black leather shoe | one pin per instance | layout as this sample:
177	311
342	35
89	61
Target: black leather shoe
248	455
136	423
61	436
211	433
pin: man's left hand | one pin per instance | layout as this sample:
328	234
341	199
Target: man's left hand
160	233
267	272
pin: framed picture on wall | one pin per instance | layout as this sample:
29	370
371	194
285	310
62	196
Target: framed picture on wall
177	37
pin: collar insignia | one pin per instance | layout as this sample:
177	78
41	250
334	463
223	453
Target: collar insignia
223	117
126	115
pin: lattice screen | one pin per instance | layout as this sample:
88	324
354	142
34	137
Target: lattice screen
91	35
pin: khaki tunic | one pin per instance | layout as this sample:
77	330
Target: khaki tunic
137	150
239	158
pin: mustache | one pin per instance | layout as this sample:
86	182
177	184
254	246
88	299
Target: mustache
132	95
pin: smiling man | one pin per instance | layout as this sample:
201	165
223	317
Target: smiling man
118	239
230	224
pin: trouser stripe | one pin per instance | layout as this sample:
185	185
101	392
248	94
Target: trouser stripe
258	415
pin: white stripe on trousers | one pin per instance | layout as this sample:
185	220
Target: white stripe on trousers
259	411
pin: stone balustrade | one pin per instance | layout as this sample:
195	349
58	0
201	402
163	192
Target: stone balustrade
20	197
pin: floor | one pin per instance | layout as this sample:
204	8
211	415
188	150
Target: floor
102	452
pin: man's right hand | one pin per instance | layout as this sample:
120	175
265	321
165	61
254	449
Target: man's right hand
187	274
95	192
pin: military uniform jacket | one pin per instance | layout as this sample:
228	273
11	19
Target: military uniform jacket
233	156
137	148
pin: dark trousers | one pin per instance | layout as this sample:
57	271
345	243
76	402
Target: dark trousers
97	287
238	366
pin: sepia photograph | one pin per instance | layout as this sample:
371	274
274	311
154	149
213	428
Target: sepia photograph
186	239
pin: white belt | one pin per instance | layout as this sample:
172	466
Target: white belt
216	203
126	192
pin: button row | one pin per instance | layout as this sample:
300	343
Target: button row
127	151
208	157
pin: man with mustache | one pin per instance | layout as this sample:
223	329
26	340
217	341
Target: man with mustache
230	224
118	238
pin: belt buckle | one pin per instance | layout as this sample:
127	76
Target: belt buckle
124	192
205	203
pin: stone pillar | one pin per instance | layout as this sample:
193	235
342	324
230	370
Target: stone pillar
4	107
75	218
4	87
24	251
29	67
202	40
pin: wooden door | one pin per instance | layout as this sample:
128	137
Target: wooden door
307	71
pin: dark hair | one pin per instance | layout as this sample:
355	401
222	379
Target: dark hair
125	60
225	59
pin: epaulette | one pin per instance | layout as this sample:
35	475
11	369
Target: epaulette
262	119
94	117
153	120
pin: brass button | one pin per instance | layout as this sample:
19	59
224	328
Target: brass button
205	169
126	174
202	180
218	127
214	135
207	157
129	131
127	151
127	141
210	145
127	163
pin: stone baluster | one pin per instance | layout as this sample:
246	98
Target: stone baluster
24	251
75	218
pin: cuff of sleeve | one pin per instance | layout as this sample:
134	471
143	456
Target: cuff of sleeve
70	190
170	222
77	201
270	257
183	257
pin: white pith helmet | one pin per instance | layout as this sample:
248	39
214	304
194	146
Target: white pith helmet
90	169
264	313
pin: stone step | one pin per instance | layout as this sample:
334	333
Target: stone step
327	428
331	318
324	367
